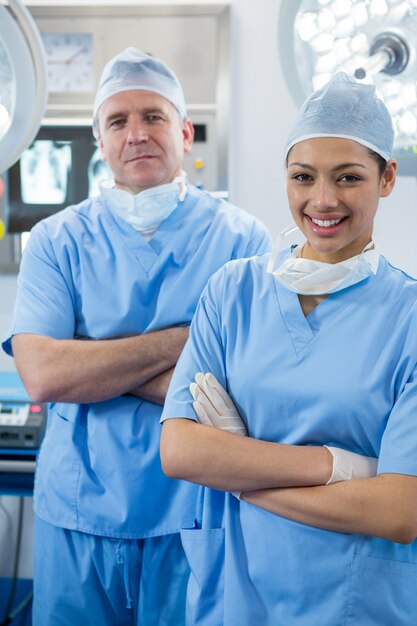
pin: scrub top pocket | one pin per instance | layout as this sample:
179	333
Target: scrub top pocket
382	593
66	424
204	549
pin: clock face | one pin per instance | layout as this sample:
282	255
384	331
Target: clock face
69	58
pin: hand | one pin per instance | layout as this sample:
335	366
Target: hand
348	465
213	405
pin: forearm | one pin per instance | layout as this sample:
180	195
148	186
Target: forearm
384	506
221	460
92	371
155	389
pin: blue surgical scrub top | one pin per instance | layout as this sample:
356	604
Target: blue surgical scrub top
345	375
85	272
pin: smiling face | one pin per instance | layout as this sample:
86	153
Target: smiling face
334	186
143	139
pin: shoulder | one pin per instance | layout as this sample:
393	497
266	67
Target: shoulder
55	236
399	274
402	285
240	275
396	295
236	287
70	219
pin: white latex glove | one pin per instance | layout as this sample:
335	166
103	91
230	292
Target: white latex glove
213	405
348	465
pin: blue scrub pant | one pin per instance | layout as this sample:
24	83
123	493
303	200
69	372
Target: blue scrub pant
86	580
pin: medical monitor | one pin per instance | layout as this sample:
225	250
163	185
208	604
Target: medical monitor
61	167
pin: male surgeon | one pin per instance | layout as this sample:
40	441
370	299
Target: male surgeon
107	290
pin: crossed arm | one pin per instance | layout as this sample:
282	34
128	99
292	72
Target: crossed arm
384	506
61	370
222	460
290	481
156	388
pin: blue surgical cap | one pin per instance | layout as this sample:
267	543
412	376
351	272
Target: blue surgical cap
133	69
348	109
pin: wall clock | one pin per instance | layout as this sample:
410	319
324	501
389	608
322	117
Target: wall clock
69	58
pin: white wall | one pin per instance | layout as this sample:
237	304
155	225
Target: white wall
396	225
262	110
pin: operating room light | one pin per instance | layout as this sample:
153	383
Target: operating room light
341	49
4	120
378	8
359	13
398	13
23	92
407	123
341	8
374	40
326	63
7	91
322	43
326	20
359	44
344	28
409	94
307	26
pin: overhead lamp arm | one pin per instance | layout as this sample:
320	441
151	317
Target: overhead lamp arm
389	54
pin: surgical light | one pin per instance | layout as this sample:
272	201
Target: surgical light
378	8
306	26
344	27
4	120
359	13
23	91
359	44
322	43
374	40
326	20
398	13
407	123
327	62
389	53
409	94
341	8
341	48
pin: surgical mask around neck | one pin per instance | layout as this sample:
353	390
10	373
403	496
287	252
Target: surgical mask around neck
314	278
146	210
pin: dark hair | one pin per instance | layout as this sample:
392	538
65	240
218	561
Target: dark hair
381	162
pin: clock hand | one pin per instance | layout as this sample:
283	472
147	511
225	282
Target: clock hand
73	56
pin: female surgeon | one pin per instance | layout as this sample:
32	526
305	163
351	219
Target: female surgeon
316	348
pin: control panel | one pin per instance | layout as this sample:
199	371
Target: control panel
22	424
22	421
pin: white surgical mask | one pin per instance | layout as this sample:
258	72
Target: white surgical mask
146	210
314	278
